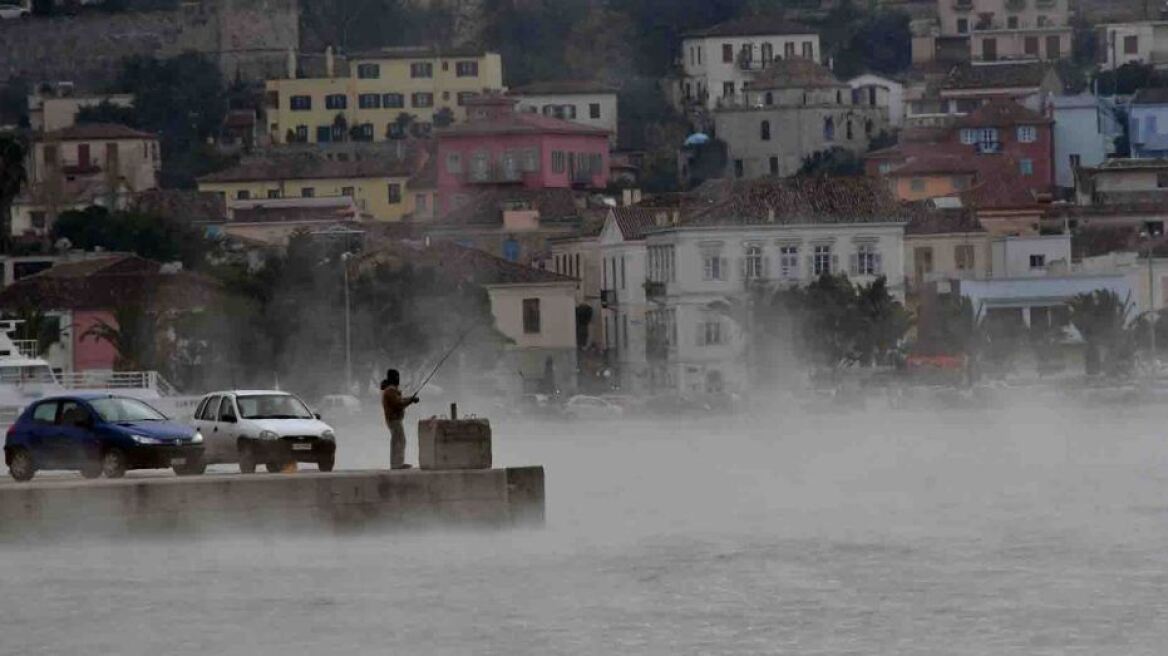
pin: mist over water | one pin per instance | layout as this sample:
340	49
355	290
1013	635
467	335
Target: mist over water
1029	530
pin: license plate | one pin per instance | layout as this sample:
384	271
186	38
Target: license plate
302	446
178	462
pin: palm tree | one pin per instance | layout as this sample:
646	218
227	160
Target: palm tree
12	178
1101	317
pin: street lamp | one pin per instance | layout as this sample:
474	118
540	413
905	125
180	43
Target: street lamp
1151	298
345	257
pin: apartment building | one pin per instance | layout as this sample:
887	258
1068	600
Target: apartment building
585	102
992	30
382	94
1143	42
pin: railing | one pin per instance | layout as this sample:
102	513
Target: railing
655	290
117	380
582	177
494	175
27	348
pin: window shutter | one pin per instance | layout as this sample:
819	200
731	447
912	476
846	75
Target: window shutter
766	268
810	266
854	264
878	264
834	263
724	270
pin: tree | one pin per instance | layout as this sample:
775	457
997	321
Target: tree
835	161
35	325
443	118
12	178
882	323
133	334
1102	317
152	237
878	43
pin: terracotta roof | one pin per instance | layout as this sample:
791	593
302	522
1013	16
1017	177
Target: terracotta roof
753	26
996	75
1151	96
297	210
518	123
562	87
934	165
800	200
87	131
1001	112
106	283
486	207
926	220
999	185
795	73
309	167
634	221
461	263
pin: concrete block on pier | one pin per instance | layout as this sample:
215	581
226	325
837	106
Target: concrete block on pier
454	444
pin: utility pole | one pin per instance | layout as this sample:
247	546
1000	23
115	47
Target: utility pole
1151	303
348	326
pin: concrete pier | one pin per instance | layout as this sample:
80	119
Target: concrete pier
312	501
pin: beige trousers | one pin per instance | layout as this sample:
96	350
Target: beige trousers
397	443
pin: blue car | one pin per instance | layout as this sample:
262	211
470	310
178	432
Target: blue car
99	434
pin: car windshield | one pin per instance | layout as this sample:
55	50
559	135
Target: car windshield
272	406
119	410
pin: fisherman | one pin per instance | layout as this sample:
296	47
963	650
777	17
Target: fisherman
394	406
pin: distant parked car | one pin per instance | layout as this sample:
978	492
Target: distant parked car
99	434
9	11
269	427
591	407
340	404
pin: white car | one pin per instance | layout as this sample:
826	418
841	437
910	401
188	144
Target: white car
250	427
591	407
8	11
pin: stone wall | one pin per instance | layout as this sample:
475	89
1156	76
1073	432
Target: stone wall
246	37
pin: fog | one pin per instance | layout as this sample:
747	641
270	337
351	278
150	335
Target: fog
1020	530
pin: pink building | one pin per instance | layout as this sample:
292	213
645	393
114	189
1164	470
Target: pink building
498	146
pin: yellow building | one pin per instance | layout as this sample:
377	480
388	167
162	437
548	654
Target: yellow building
380	86
377	187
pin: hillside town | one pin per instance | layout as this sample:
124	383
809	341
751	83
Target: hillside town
945	191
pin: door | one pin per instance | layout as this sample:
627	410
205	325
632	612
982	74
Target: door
83	155
74	440
1053	47
206	419
226	429
989	49
41	431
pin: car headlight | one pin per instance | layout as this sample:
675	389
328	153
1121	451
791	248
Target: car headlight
328	435
268	435
142	439
197	439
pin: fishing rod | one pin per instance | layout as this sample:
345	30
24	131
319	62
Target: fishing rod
438	366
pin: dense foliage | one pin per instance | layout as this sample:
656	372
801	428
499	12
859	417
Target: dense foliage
152	237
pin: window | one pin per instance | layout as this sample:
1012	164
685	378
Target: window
393	100
727	53
464	96
917	184
368	71
45	413
1162	180
867	261
273	193
421	69
764	130
307	192
242	194
324	133
821	261
37	219
713	267
789	50
963	255
454	163
422	99
1037	261
922	261
851	134
227	410
769	99
336	101
738	170
727	89
829	129
963	26
774	164
768	53
789	261
530	160
466	69
808	50
968	136
1026	166
594	110
300	103
754	264
511	249
1054	47
710	333
1030	45
1076	161
1131	45
1027	134
1012	22
394	193
531	323
989	49
369	101
302	133
558	162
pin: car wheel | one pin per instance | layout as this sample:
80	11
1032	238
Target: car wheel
192	469
91	469
113	463
325	464
247	459
21	465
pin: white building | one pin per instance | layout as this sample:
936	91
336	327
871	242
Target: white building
1144	42
718	61
877	91
1029	256
1085	129
55	106
589	103
773	233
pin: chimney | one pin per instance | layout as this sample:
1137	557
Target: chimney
291	64
626	197
330	64
676	218
636	196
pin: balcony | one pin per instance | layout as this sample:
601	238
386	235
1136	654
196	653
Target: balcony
495	174
655	291
961	6
1015	5
608	298
989	147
